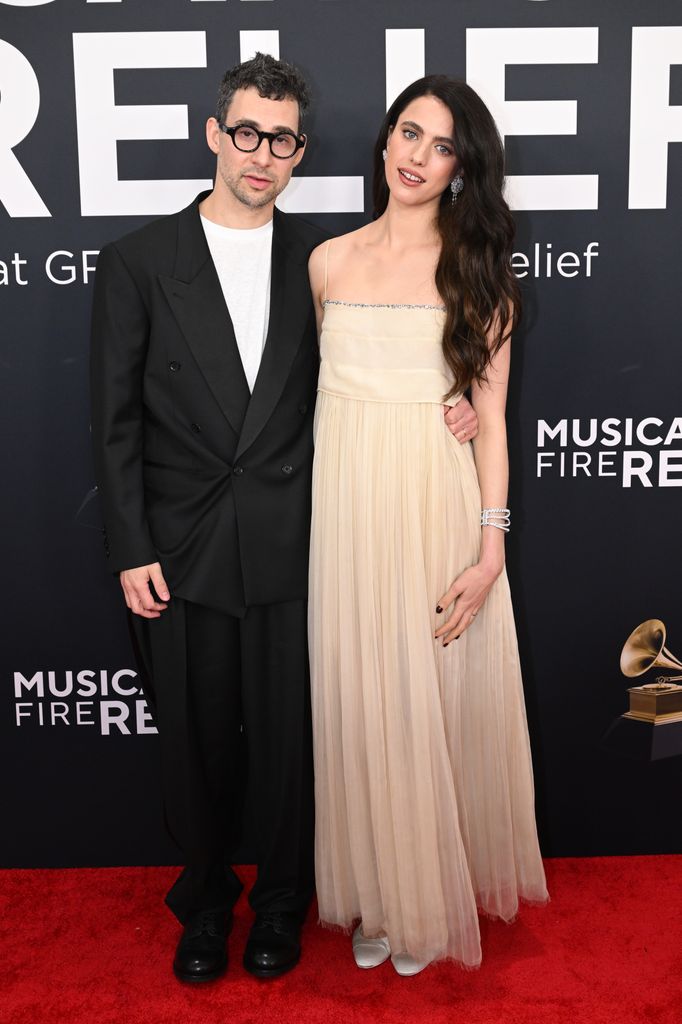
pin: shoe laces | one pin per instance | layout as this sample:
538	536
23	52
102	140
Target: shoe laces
206	923
278	921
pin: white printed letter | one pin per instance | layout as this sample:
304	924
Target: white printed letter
18	112
653	122
101	123
489	50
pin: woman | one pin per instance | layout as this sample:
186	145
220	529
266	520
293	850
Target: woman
424	789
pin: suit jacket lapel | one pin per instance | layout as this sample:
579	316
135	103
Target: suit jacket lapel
290	309
196	299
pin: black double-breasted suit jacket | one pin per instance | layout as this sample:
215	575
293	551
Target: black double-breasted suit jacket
193	470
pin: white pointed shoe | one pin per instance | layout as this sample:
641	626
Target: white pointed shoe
406	966
369	952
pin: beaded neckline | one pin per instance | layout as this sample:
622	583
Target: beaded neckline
381	305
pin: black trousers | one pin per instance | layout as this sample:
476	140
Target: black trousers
231	700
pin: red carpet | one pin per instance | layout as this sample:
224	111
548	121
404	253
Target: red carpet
94	947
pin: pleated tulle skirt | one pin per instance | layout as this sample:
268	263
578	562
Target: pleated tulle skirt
424	787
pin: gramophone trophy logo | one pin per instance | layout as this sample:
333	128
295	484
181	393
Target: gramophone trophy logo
652	726
659	702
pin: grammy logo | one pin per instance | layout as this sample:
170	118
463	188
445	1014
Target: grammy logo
659	702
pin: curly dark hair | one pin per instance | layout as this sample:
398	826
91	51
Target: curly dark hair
474	275
274	79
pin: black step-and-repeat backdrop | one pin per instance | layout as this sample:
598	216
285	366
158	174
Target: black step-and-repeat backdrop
102	107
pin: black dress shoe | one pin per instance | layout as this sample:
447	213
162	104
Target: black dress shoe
274	944
202	950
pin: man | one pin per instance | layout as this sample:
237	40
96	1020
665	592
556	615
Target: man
204	369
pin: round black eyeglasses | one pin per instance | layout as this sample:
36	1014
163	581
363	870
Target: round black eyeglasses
283	145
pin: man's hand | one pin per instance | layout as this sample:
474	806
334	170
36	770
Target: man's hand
139	598
461	420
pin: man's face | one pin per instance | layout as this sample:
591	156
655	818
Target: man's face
254	179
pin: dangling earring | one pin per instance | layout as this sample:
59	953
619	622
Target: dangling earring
385	153
456	186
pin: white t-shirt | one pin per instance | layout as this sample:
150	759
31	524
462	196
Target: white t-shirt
242	258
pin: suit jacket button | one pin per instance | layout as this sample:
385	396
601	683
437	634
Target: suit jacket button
237	470
174	365
287	469
196	428
303	408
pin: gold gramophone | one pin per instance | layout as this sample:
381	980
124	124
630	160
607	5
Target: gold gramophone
659	702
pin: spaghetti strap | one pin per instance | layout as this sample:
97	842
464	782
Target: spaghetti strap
326	267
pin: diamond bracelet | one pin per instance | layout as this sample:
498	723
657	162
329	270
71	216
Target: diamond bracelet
497	517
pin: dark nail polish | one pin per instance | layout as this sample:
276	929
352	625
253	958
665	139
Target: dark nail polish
438	609
445	645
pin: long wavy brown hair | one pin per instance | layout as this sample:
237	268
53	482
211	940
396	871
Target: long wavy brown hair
474	275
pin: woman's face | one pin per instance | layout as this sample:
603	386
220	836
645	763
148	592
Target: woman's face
421	161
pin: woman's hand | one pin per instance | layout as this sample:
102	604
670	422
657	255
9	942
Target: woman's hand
468	592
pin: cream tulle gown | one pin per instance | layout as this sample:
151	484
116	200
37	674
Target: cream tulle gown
424	788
